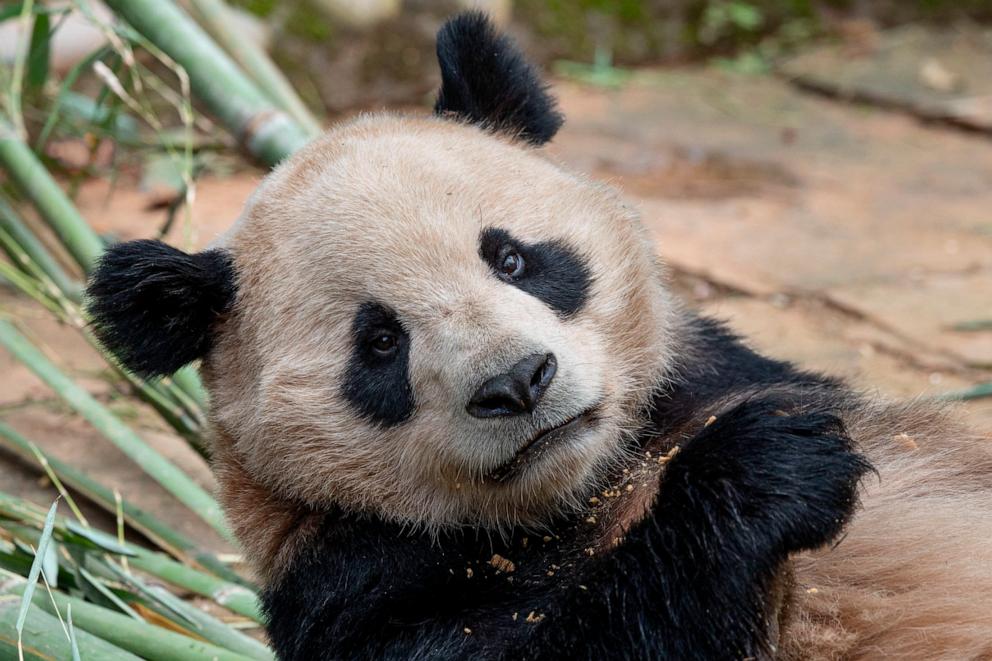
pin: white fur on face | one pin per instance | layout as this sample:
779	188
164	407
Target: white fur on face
391	210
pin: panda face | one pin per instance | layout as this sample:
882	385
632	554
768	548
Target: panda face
434	324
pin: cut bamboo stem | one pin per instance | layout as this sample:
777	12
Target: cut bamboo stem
167	474
263	129
215	16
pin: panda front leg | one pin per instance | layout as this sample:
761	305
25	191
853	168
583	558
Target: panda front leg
697	578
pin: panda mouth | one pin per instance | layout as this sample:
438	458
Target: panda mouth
542	442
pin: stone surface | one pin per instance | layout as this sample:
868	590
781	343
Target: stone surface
935	74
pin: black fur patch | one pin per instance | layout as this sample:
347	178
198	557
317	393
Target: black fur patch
153	306
378	387
486	80
771	476
553	272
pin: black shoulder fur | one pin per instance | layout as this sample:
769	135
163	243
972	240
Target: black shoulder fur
773	474
485	80
153	306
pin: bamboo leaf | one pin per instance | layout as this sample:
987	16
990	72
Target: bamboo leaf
46	536
50	563
73	643
107	593
98	538
64	91
38	56
10	11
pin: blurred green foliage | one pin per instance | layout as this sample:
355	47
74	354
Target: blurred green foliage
745	36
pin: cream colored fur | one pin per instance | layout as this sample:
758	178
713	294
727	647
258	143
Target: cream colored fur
390	209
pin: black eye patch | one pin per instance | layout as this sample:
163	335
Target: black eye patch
377	384
551	272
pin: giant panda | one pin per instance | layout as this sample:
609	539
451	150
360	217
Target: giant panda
457	414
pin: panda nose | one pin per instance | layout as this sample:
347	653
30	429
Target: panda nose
517	391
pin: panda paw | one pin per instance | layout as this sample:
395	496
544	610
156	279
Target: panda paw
770	481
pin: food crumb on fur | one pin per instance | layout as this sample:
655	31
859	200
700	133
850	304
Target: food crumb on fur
534	617
907	441
502	564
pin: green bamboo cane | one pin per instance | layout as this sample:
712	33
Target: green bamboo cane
266	132
146	640
12	223
168	604
160	533
200	622
36	184
236	598
167	474
44	637
215	16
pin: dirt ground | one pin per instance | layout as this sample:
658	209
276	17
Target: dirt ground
844	238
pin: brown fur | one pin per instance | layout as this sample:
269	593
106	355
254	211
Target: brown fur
392	208
912	577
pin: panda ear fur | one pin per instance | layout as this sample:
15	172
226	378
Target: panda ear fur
153	306
486	80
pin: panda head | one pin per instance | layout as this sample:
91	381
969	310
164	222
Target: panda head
422	318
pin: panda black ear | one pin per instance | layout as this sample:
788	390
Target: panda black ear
486	80
153	306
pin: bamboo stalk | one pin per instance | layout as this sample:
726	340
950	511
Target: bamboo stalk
11	223
35	183
167	474
44	638
264	130
200	622
145	640
215	16
236	598
160	533
169	605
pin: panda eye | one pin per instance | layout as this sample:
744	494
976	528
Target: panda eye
510	264
384	343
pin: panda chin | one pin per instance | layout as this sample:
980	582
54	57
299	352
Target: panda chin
545	441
